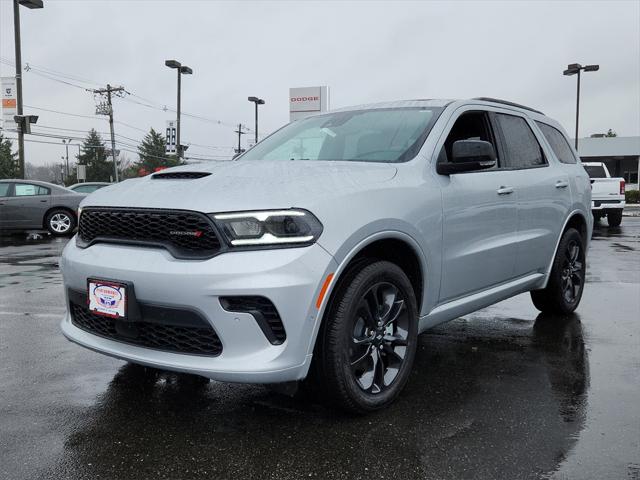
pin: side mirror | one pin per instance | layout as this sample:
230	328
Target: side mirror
468	156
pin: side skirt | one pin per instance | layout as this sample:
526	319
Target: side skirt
462	306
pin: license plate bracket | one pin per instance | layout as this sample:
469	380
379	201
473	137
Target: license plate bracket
108	298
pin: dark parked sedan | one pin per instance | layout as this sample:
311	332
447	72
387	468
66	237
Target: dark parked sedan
32	205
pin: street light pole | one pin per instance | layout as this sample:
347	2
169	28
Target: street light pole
577	109
178	144
18	50
182	69
573	69
257	101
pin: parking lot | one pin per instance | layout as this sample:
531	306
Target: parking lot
502	393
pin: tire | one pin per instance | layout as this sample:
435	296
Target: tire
60	222
566	280
367	343
614	218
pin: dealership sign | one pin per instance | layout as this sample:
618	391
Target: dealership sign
170	137
307	101
9	101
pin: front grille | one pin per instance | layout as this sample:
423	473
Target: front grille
194	340
179	175
185	234
264	312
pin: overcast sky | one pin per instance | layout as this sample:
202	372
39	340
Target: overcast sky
364	51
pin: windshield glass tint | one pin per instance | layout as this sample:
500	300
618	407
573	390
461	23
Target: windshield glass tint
595	171
377	135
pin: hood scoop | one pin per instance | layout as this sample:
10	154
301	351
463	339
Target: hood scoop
179	175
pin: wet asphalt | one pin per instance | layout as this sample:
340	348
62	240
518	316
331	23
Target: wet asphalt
504	393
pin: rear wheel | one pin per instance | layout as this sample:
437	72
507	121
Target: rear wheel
566	280
614	218
60	222
368	341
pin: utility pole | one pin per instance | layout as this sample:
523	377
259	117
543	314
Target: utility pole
16	35
107	109
240	133
66	146
16	32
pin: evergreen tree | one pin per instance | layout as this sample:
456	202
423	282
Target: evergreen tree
8	160
94	156
153	154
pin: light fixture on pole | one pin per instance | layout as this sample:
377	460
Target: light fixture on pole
576	68
17	41
257	101
182	69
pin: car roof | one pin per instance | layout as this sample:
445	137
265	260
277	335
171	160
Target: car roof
32	182
441	103
424	102
56	188
88	183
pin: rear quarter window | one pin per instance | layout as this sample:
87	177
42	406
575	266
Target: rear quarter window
558	143
522	149
4	189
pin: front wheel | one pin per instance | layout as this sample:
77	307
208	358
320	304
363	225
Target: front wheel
566	280
369	338
60	222
614	218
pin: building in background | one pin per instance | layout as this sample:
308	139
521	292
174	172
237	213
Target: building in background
620	154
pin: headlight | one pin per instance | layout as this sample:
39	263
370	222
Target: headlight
269	227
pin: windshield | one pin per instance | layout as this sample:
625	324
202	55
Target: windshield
376	135
595	171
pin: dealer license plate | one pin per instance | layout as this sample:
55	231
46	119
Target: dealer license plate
107	298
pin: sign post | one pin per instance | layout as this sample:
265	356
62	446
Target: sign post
81	173
9	102
170	137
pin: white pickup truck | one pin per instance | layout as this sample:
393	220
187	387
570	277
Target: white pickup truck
607	194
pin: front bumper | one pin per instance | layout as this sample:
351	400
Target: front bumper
291	278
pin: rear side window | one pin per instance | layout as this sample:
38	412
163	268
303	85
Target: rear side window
28	190
558	143
522	150
4	189
595	171
86	189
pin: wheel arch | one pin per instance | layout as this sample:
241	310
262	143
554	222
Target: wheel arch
395	246
577	220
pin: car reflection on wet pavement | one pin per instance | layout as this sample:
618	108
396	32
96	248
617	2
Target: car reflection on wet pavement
501	393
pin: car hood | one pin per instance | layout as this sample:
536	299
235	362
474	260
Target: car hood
245	185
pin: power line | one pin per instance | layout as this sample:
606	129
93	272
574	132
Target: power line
124	146
51	74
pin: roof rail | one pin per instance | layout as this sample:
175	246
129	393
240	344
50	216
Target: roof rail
505	102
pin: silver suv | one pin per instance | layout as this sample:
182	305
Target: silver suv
323	252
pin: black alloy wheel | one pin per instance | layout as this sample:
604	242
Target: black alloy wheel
567	278
368	338
572	275
379	341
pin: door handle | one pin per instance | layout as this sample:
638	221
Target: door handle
504	190
43	201
562	184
